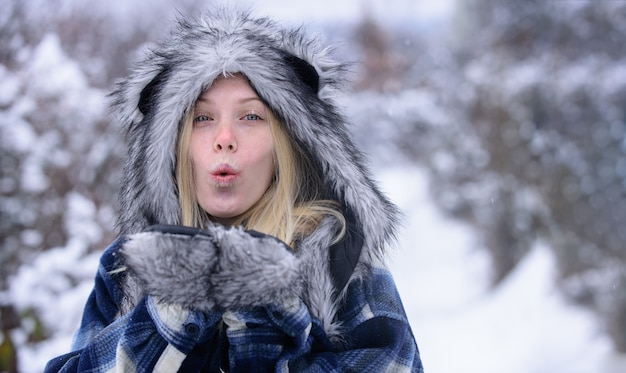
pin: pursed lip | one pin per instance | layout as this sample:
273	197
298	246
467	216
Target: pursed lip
224	174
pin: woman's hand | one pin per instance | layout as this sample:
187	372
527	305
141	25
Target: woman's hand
173	264
253	269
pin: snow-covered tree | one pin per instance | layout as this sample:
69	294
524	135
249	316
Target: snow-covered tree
544	99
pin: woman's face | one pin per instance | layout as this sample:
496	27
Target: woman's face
231	148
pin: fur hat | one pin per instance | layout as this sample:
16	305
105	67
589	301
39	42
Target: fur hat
295	75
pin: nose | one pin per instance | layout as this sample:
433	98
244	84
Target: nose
225	139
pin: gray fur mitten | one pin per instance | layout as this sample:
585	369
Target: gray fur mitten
253	269
217	268
174	267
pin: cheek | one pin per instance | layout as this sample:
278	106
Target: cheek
198	150
263	169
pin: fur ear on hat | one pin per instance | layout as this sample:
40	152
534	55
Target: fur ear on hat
147	97
305	71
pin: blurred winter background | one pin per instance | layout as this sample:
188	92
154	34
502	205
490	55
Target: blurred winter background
497	126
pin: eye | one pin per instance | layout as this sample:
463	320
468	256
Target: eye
201	118
252	116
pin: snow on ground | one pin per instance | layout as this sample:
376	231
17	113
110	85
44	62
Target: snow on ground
522	326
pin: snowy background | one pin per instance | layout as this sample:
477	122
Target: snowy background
410	109
524	325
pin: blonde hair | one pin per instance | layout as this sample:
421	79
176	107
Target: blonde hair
287	210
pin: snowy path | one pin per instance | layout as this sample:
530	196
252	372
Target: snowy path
523	326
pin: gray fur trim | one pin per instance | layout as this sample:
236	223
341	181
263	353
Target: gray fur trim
320	295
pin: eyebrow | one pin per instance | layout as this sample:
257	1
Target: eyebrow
241	100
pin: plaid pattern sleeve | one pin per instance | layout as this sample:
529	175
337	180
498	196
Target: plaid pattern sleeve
153	337
287	339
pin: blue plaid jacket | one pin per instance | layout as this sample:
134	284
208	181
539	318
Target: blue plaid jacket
166	338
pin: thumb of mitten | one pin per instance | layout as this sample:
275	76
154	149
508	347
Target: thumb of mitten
174	267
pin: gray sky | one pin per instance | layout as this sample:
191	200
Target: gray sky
303	11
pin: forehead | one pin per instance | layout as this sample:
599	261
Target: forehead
233	86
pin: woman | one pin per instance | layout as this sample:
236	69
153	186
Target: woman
251	234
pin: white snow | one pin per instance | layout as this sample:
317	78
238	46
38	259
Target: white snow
51	72
524	325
